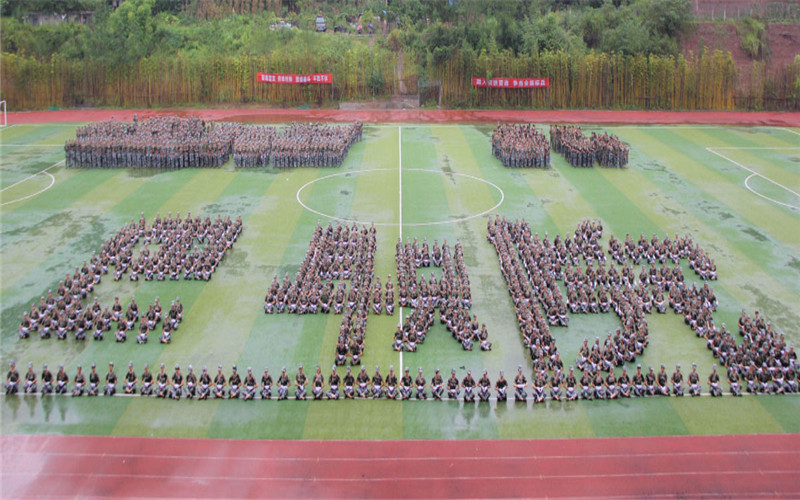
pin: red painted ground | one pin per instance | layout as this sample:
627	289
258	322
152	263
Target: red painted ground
430	116
127	467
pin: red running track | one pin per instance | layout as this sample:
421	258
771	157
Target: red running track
777	119
745	466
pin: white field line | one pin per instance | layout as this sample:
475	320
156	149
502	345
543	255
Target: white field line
66	124
5	144
392	224
400	213
52	181
32	176
421	458
756	148
754	173
790	131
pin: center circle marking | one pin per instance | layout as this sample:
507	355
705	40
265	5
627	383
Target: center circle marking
409	224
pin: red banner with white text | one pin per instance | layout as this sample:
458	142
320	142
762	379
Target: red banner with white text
511	83
287	78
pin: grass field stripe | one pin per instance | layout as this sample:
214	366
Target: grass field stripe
183	349
711	150
625	186
262	241
69	185
26	260
725	262
747	185
690	165
374	193
568	208
745	137
763	151
636	185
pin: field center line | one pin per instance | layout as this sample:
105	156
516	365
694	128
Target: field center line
32	176
400	213
711	150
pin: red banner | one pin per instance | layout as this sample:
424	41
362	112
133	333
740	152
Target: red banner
284	78
511	83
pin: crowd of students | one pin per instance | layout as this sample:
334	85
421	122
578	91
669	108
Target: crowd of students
167	142
172	142
314	144
581	151
451	296
520	146
560	385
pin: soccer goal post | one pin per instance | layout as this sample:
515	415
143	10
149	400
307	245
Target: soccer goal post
5	120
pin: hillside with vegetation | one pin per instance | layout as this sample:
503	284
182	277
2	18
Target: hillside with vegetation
597	53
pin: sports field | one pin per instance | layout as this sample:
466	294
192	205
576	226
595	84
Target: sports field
734	189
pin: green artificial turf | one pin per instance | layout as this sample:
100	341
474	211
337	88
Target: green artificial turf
674	185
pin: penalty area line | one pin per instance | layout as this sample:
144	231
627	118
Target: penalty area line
52	182
754	174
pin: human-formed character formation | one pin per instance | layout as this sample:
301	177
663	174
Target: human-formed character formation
69	311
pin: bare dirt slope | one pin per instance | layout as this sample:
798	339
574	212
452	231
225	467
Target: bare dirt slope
783	40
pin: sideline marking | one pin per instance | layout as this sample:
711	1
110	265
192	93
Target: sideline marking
390	224
751	147
754	173
465	458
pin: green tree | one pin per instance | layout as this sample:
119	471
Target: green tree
130	31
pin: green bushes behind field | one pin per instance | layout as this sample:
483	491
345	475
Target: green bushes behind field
598	54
